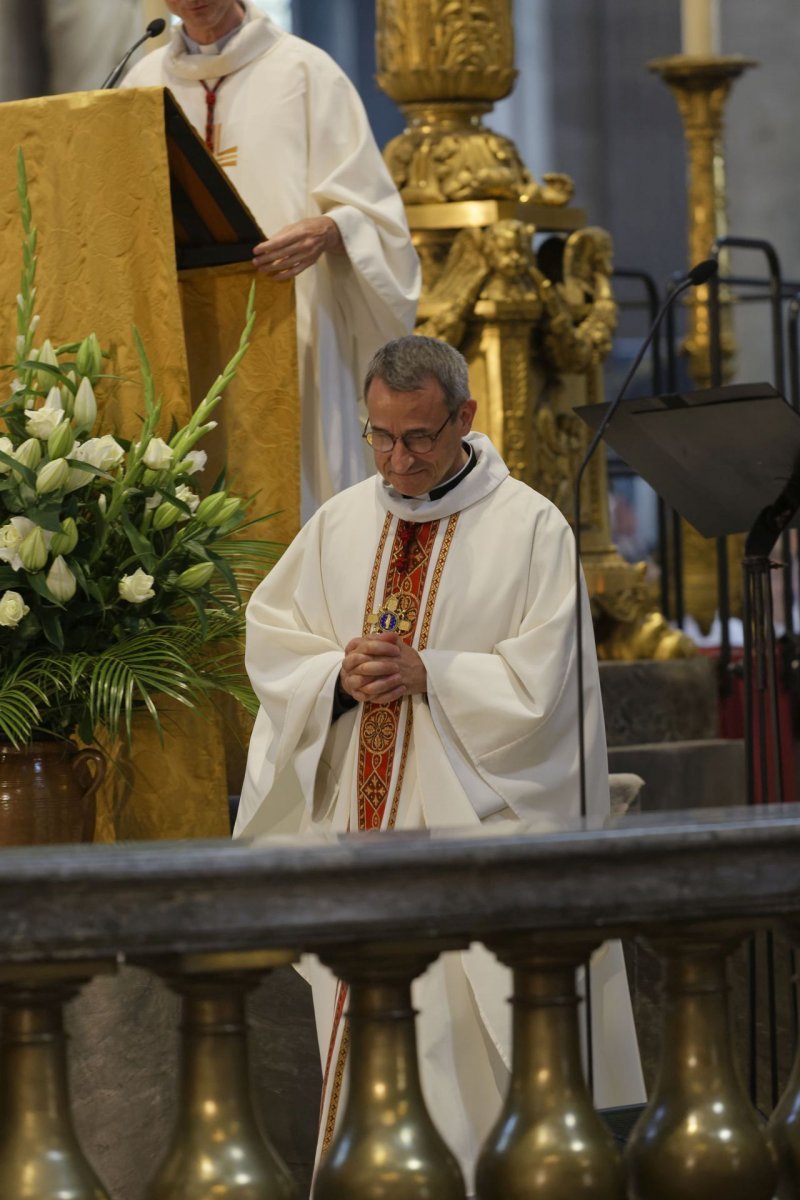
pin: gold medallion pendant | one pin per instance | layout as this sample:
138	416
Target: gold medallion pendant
396	615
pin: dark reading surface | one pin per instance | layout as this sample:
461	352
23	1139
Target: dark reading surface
717	456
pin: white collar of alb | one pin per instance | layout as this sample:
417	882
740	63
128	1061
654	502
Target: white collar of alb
254	37
488	473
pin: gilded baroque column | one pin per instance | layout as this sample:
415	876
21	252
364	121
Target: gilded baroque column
534	325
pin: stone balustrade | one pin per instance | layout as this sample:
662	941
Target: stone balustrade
213	919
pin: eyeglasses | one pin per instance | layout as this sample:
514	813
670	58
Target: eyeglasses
415	443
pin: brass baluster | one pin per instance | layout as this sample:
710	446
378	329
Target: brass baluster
699	1135
218	1148
386	1146
40	1156
548	1141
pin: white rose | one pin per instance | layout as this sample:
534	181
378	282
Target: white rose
101	452
42	421
136	588
189	498
11	535
12	609
158	455
7	446
194	461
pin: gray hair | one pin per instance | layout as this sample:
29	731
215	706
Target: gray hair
407	363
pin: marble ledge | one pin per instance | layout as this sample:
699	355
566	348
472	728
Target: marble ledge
631	875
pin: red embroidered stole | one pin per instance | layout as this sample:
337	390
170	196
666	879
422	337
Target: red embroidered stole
409	560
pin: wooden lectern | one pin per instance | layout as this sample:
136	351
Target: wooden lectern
139	226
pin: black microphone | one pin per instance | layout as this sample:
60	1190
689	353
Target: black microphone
155	28
698	275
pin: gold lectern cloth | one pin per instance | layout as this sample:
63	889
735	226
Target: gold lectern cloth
99	189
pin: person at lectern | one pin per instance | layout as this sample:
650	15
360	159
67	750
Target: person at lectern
290	130
413	653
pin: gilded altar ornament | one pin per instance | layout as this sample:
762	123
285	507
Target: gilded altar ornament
534	326
386	1146
39	1151
218	1148
548	1140
699	1135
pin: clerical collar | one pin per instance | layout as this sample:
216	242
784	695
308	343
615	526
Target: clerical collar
194	47
443	488
477	478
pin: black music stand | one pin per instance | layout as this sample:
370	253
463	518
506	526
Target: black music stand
728	460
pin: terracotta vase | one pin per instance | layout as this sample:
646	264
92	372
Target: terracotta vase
47	793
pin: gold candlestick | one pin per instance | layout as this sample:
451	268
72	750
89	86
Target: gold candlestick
701	86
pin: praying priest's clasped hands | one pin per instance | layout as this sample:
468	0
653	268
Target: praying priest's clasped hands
381	667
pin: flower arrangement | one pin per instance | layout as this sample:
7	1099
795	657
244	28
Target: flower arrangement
118	580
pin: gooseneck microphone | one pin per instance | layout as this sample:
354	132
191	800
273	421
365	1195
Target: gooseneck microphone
156	27
698	275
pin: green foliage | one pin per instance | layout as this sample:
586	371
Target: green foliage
119	582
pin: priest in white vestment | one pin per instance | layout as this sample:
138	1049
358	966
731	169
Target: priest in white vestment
414	656
289	129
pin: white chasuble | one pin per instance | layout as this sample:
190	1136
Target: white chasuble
292	134
480	582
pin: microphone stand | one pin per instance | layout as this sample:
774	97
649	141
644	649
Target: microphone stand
154	29
698	275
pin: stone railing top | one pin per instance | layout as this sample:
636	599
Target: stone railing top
642	873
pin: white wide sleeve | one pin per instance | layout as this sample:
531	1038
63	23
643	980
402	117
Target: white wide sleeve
377	284
293	660
510	716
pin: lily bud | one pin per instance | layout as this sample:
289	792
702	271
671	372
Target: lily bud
33	550
66	541
29	454
84	413
52	476
84	359
61	440
209	508
165	515
196	576
61	581
229	509
46	355
97	355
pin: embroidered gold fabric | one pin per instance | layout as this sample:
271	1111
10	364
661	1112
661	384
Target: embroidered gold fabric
99	187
